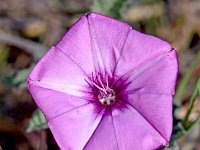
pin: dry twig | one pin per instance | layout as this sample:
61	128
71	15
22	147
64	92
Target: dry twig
36	49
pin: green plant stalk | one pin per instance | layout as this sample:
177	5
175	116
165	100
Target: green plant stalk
191	104
186	78
191	125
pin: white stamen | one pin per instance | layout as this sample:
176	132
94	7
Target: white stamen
107	82
107	101
99	87
101	82
106	95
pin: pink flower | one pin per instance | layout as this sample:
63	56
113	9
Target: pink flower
105	86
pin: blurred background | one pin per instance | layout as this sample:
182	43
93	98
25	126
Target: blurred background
29	27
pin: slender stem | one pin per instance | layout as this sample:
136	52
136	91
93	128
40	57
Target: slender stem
191	125
186	78
191	104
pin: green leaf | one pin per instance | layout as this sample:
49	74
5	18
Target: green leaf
37	121
152	24
149	1
110	8
19	79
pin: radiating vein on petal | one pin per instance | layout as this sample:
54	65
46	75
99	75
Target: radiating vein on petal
133	131
140	47
76	45
73	130
108	39
103	137
59	73
156	108
54	103
152	76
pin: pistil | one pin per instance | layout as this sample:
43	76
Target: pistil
106	95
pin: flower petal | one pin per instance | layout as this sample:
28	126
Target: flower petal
104	136
108	38
160	78
70	62
55	103
76	44
133	131
156	109
58	72
139	48
72	130
158	75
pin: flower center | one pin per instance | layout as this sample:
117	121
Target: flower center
105	94
107	98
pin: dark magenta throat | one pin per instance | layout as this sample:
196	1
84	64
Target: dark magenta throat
103	89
